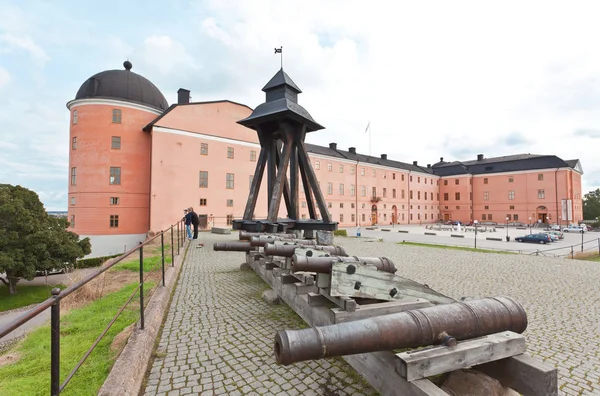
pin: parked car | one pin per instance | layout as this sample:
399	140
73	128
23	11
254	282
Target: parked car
553	237
516	224
558	233
535	238
555	227
575	228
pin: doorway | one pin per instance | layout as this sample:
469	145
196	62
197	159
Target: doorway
374	215
394	214
446	216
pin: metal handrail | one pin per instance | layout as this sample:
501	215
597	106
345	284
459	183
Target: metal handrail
57	295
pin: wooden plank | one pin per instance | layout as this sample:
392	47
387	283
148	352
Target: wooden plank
312	179
316	299
382	308
418	364
323	280
524	374
302	288
278	186
255	186
288	278
269	265
378	284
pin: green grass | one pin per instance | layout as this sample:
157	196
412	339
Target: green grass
469	249
26	295
150	263
30	375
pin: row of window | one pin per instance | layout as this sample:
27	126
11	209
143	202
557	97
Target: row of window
511	179
115	143
113	221
113	200
486	195
230	152
114	175
116	116
317	165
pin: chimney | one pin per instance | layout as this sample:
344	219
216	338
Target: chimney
441	159
183	96
479	157
428	166
333	146
383	156
352	150
415	163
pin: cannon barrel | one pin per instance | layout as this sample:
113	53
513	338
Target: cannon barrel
246	236
409	329
262	240
239	246
322	265
289	250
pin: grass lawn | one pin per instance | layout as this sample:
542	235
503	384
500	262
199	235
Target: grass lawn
30	375
454	247
26	295
152	260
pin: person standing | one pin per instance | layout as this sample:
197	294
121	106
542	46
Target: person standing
195	221
188	222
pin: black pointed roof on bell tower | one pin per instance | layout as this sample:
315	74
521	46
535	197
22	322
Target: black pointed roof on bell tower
281	103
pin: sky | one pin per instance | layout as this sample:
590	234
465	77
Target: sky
434	79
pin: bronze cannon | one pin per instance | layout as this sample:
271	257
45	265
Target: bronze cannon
263	239
281	250
246	235
238	246
409	329
322	265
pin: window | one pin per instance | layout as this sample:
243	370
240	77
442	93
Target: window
438	196
393	176
363	191
203	179
402	177
540	176
384	192
410	179
329	167
230	202
229	181
72	222
202	201
353	218
341	168
115	175
511	194
511	179
483	217
352	205
341	189
362	171
384	216
425	181
75	115
116	116
393	193
508	217
516	217
456	181
351	170
363	206
329	188
418	194
457	195
203	148
374	192
541	194
253	155
74	143
73	176
486	195
512	207
304	204
341	218
403	195
410	194
418	180
458	207
445	196
329	204
72	200
115	200
425	216
115	142
114	221
470	196
352	192
486	207
363	217
250	180
489	216
341	205
317	165
229	219
445	182
230	152
485	180
374	173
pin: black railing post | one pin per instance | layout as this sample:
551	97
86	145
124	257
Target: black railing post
142	287
162	253
183	232
581	241
178	238
55	345
172	251
572	256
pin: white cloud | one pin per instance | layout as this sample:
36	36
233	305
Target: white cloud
4	77
23	42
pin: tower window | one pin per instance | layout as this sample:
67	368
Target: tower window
116	116
114	200
203	179
230	152
75	115
203	148
115	143
114	221
115	175
74	143
73	176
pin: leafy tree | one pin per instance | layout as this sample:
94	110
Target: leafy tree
31	240
591	205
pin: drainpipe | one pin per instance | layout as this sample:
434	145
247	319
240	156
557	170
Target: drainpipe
357	222
556	192
472	197
408	195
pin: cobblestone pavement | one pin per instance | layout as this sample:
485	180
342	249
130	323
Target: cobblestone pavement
561	297
218	337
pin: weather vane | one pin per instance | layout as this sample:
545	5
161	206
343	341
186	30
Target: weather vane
280	51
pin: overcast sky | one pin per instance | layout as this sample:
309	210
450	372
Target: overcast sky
436	79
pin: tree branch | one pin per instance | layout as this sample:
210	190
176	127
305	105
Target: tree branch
4	281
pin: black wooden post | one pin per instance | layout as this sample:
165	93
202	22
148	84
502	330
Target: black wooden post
55	345
142	287
172	249
162	253
178	238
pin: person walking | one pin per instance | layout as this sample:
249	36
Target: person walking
188	222
195	222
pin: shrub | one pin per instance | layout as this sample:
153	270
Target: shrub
93	262
340	233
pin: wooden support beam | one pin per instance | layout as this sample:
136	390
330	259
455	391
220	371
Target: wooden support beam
286	187
256	181
288	278
312	179
383	308
317	300
423	363
302	288
312	213
275	198
269	265
271	170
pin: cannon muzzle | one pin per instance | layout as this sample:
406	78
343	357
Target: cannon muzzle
409	329
241	246
263	239
322	265
245	235
272	249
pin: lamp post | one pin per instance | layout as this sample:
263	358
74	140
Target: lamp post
559	223
475	222
507	237
539	222
530	226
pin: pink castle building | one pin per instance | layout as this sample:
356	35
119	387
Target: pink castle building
136	162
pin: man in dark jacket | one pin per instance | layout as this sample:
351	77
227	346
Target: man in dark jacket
195	222
188	222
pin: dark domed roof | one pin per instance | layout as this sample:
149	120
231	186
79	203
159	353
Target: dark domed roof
122	85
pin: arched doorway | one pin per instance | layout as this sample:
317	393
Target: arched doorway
542	213
373	214
394	214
